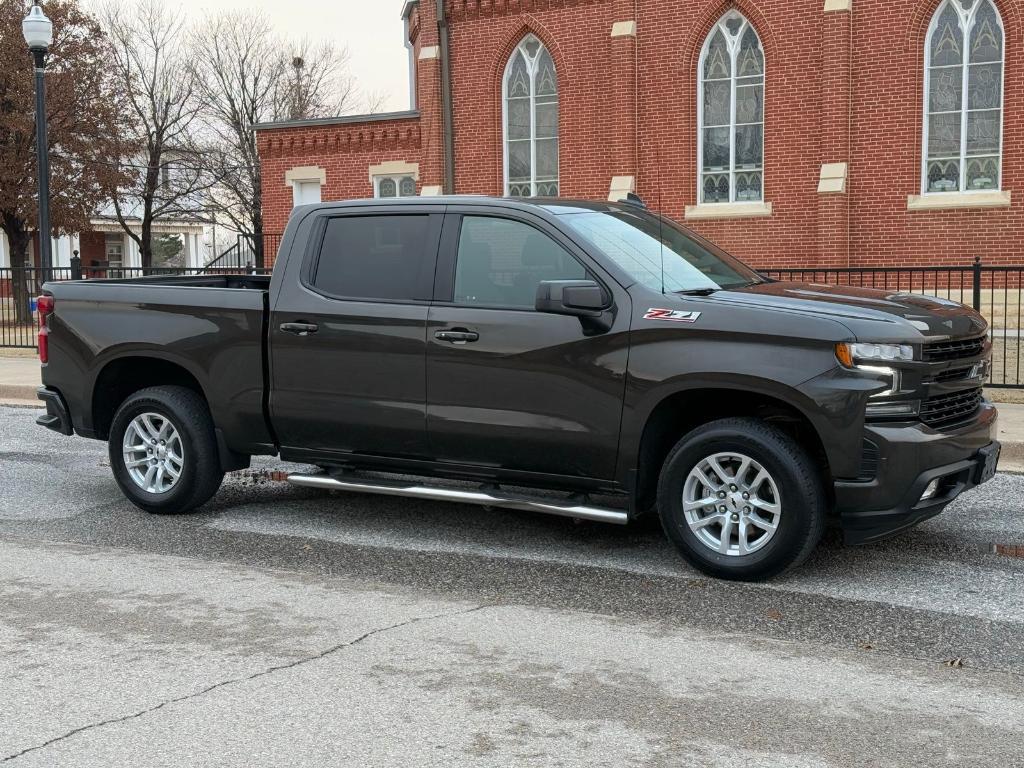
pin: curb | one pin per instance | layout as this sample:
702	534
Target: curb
1011	458
20	393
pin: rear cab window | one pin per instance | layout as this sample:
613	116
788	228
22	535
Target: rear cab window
377	257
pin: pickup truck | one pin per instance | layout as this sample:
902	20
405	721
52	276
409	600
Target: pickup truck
537	355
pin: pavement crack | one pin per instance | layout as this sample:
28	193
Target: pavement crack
243	679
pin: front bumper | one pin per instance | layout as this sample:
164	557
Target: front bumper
57	416
910	457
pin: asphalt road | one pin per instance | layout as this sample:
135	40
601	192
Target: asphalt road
285	627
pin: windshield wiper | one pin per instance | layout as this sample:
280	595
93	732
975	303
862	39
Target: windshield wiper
697	292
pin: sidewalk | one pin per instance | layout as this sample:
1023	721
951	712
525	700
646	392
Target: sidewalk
19	379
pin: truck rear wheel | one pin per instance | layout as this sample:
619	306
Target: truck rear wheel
163	450
741	500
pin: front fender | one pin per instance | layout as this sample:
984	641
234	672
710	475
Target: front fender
801	373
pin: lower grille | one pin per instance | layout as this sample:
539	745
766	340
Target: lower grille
868	461
945	411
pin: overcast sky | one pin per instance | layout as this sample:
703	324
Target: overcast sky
370	29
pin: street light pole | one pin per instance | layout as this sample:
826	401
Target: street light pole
43	161
38	32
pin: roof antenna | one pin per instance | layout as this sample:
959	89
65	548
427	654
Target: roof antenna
661	221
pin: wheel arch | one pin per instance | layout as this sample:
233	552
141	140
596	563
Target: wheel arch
121	377
685	408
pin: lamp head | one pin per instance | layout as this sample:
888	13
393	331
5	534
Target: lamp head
38	29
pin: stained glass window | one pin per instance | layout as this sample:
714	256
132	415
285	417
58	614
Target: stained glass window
395	186
731	132
963	98
531	121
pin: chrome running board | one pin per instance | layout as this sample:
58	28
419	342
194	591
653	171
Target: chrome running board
481	498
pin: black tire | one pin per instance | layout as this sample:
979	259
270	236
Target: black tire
802	499
201	473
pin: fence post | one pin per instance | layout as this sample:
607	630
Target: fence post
977	283
76	266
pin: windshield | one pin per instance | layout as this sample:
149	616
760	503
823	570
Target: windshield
645	246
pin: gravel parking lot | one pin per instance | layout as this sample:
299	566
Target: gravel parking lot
283	626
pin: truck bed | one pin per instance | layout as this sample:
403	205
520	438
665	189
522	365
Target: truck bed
210	327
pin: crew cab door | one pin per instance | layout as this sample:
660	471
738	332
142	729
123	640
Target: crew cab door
347	335
508	387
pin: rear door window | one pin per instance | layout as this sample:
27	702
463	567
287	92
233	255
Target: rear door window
500	263
376	258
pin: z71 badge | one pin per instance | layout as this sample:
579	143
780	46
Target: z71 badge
674	315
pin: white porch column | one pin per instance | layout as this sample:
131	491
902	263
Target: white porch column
186	243
62	251
130	255
5	251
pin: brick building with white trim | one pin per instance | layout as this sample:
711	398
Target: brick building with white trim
791	132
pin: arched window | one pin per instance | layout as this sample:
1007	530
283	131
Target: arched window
530	91
963	98
394	186
730	105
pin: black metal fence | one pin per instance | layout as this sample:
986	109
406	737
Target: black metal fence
995	291
249	251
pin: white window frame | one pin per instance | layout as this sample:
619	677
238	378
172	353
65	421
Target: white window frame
307	174
395	177
967	19
532	70
306	184
733	44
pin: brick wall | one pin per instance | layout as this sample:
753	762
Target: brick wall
92	247
841	87
345	151
888	61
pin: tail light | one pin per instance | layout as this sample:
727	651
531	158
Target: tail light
44	306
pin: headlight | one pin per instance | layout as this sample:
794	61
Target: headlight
890	374
849	354
866	357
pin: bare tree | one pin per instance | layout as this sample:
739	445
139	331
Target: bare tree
314	83
83	122
151	58
248	75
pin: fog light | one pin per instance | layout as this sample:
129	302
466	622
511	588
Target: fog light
931	491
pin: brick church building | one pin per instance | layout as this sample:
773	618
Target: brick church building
790	132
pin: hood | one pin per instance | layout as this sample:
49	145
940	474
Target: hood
867	312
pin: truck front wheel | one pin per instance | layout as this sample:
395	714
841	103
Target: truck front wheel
741	499
163	450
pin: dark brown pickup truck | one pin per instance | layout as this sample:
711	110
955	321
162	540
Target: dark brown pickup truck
562	349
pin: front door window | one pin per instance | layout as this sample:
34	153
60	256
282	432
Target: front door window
501	262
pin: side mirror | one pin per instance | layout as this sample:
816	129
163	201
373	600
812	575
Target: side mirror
584	299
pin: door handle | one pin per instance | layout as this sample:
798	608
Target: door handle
457	335
300	329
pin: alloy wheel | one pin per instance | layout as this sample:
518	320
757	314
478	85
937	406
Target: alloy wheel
153	453
732	504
